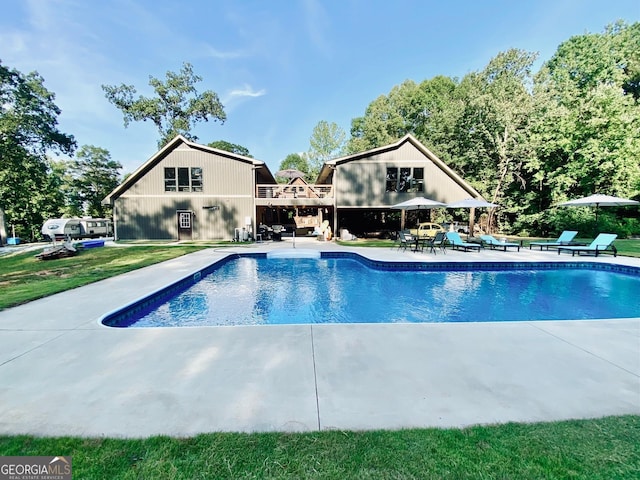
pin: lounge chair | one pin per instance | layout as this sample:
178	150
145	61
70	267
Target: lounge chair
600	245
457	243
565	238
495	243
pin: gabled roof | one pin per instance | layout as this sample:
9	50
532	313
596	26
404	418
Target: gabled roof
260	166
331	165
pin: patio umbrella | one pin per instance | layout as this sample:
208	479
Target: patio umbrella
417	203
290	173
598	200
471	203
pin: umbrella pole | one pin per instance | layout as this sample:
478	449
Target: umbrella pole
472	220
402	219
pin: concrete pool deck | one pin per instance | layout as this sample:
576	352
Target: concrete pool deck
63	373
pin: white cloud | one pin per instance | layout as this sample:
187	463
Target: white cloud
245	91
209	51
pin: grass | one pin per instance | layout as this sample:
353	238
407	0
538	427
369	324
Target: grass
607	448
24	278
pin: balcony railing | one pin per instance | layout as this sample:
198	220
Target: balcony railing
294	191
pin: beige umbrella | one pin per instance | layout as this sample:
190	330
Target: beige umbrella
290	173
417	203
597	201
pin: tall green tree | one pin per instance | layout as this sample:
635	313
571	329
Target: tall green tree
174	109
387	118
28	130
587	120
428	111
92	175
492	142
327	141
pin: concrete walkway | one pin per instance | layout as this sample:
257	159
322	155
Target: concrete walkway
63	373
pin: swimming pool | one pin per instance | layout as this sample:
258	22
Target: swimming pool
348	288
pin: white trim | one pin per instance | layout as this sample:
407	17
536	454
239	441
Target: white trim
177	195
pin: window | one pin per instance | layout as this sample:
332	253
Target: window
392	179
183	179
404	183
417	182
196	179
170	179
405	179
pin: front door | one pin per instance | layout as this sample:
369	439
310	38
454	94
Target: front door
185	227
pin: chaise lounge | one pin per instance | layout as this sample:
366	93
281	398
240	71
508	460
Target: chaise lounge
600	245
495	243
565	238
457	243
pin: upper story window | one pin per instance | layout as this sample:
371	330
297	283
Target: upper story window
183	179
405	179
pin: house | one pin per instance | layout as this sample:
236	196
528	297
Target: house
190	191
367	184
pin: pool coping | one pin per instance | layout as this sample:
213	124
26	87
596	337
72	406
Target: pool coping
63	373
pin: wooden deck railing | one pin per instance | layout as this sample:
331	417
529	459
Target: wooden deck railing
294	191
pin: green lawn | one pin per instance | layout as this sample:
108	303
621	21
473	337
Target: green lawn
24	278
607	448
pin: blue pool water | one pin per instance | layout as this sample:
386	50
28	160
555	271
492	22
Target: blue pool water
252	291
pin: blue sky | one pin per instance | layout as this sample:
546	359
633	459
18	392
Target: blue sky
279	66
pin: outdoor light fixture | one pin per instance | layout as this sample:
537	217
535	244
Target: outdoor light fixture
211	207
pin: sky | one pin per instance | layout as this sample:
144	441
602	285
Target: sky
278	66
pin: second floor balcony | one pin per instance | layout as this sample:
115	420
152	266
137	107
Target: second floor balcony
294	194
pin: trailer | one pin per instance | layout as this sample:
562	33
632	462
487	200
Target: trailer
74	228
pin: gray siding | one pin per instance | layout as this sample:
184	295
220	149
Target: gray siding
362	183
146	211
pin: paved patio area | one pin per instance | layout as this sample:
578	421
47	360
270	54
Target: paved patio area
63	373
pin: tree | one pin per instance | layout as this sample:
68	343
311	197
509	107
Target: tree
587	120
176	107
230	147
427	110
92	175
296	161
327	141
28	130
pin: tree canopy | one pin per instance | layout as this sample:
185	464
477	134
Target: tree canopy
230	147
526	140
327	141
92	175
28	130
176	107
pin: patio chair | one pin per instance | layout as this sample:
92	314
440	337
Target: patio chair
495	243
457	243
405	239
601	244
565	238
438	242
